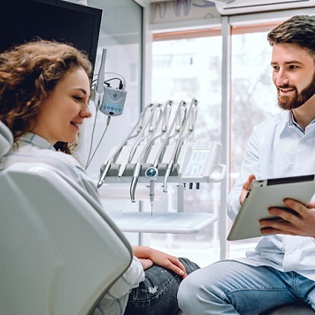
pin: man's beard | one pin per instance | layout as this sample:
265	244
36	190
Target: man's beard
287	102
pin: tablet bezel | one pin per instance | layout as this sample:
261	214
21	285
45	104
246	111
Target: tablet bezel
267	193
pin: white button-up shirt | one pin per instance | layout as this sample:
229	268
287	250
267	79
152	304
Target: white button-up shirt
278	148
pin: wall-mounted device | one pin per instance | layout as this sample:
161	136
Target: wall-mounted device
107	100
110	101
113	101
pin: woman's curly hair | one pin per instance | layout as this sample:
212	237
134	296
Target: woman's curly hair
28	73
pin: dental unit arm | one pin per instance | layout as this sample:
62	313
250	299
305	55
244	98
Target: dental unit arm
161	148
154	121
99	89
120	149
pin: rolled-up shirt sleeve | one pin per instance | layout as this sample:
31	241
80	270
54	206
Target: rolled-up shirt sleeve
129	280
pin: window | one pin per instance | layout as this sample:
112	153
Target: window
253	95
182	69
190	66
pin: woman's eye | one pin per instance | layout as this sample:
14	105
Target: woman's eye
78	98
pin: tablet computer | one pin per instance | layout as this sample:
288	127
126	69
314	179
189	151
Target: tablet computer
263	194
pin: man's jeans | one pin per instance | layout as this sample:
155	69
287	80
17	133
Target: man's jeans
157	294
230	288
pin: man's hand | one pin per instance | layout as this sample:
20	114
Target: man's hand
245	188
300	221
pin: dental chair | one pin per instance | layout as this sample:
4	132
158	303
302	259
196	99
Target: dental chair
59	252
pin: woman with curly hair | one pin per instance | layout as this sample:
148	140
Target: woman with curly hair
44	97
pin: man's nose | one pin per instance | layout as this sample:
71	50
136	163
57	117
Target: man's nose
281	78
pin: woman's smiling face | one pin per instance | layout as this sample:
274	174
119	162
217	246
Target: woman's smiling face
64	110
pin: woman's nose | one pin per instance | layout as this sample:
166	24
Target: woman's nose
85	112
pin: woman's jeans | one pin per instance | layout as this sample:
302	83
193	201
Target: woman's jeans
230	287
157	294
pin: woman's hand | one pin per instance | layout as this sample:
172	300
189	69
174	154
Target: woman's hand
149	256
146	263
300	221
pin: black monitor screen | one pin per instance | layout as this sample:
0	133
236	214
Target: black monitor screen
24	20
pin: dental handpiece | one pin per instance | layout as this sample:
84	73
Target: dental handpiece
134	182
104	172
151	173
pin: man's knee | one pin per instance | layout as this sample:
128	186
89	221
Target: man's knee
187	293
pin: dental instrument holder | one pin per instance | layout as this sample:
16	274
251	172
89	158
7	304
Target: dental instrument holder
197	163
167	155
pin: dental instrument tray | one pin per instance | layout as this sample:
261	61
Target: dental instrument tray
161	150
163	222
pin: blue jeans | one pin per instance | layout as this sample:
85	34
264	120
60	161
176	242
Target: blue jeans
157	294
230	287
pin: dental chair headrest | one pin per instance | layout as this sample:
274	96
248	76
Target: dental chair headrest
6	139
